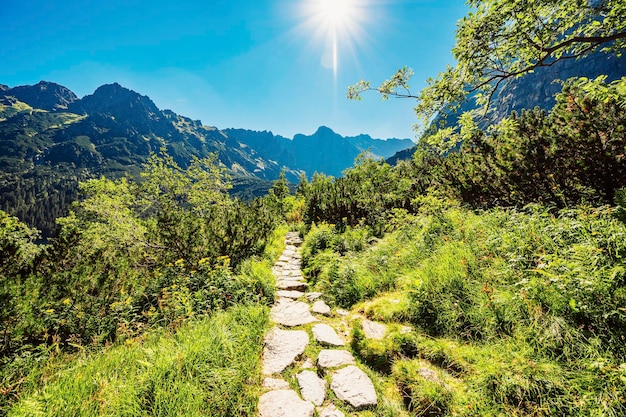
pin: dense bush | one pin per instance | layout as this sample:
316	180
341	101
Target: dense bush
569	155
129	258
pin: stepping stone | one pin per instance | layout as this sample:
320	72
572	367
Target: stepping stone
307	364
334	358
291	313
291	285
312	387
330	411
274	383
312	296
353	386
288	274
282	347
289	294
326	335
373	330
284	258
284	403
342	312
320	307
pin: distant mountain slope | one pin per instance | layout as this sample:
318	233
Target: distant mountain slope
50	140
538	89
324	151
44	95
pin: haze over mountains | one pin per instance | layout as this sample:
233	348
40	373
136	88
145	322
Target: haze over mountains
50	139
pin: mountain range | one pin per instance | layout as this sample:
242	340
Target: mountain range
50	140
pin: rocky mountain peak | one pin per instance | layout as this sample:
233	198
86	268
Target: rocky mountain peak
43	95
118	101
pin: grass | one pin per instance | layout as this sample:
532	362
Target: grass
513	312
208	367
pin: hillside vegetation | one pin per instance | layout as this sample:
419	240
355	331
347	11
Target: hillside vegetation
499	267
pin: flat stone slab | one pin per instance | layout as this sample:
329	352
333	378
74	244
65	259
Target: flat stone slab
320	307
282	347
312	296
289	294
333	358
284	403
330	411
291	285
293	272
326	335
373	330
353	386
307	364
312	387
275	383
291	313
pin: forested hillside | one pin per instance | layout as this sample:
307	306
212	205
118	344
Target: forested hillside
50	140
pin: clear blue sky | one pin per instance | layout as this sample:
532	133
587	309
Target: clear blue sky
257	64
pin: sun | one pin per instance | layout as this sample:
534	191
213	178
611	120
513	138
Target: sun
336	24
335	11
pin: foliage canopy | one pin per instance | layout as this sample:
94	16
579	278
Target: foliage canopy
499	40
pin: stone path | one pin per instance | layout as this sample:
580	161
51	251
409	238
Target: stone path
334	369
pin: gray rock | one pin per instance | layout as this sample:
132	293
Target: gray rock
326	335
274	383
284	258
342	312
291	285
282	347
289	294
320	307
312	387
284	403
292	274
330	411
307	364
430	375
334	358
353	386
373	330
291	267
291	313
312	296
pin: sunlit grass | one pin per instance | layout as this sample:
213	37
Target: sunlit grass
208	367
512	313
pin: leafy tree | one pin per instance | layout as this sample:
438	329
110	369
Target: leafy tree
500	40
280	187
17	247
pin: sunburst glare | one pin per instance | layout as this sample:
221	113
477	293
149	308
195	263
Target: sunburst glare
337	25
